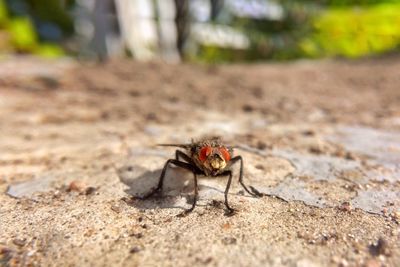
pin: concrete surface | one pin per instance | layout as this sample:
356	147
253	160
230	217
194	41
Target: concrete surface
78	142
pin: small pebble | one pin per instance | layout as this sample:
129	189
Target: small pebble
116	208
315	150
19	241
134	250
247	108
217	204
90	190
204	261
385	211
308	133
77	186
350	156
343	263
226	226
229	240
396	216
4	251
151	116
57	194
345	206
137	235
372	263
259	167
261	145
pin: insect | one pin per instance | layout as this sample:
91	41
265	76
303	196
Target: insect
209	158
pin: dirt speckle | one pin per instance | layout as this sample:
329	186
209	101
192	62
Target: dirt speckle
134	250
229	240
380	247
19	241
345	206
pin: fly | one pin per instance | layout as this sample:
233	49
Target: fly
209	158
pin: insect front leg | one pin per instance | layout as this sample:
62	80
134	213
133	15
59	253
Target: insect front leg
254	192
228	185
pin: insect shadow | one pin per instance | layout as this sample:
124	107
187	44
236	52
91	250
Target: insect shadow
178	183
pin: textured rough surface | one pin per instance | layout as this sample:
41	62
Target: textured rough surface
322	139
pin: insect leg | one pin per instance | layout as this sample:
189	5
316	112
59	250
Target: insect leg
253	191
180	154
178	163
228	185
196	193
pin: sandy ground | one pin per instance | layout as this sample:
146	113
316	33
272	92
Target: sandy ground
321	138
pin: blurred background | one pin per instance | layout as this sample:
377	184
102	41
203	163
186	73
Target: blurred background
208	31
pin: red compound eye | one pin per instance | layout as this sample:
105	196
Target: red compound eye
204	152
225	153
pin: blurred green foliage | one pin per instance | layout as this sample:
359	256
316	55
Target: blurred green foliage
22	32
3	13
215	54
52	12
317	28
269	38
343	3
354	32
19	32
308	28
